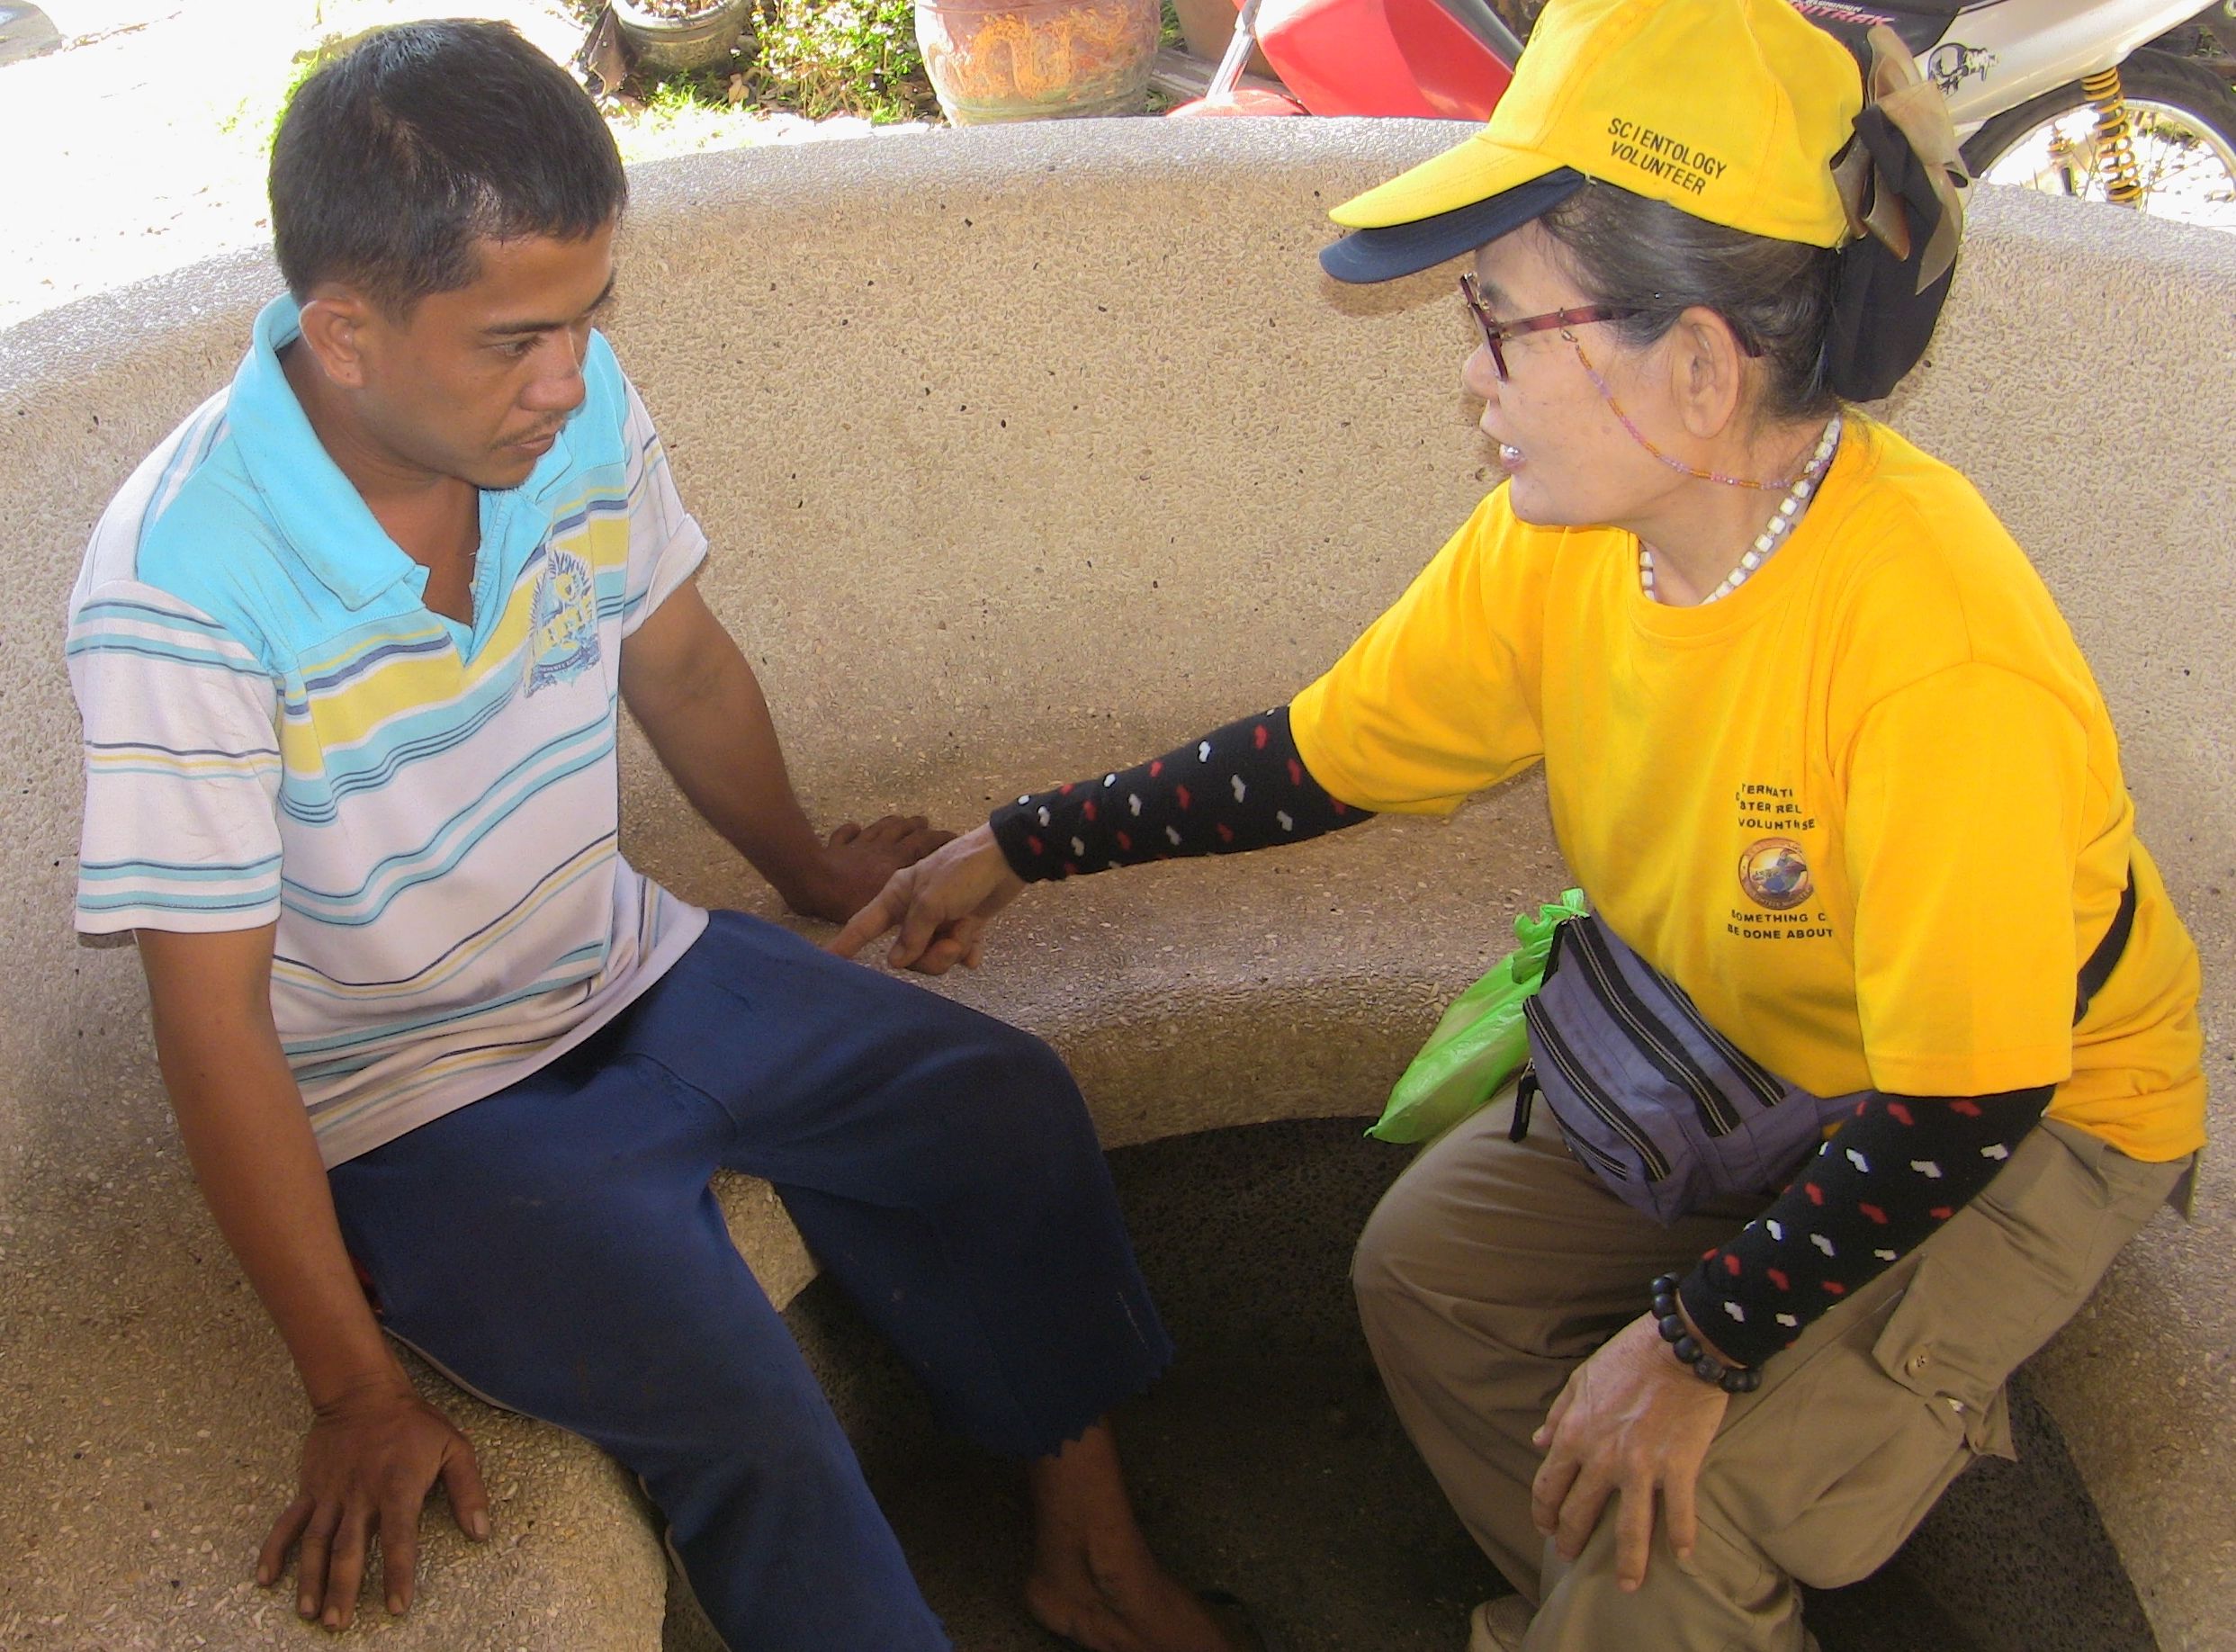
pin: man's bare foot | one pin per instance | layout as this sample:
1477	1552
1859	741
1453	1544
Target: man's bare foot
1094	1579
1140	1608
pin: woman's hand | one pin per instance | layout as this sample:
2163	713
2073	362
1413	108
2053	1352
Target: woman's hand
941	906
1631	1420
856	861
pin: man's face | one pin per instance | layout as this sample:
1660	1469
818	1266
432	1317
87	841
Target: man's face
474	384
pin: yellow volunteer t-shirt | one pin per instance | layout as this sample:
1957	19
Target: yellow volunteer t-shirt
1867	809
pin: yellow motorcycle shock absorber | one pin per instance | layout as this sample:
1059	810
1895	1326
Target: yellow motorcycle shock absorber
2116	142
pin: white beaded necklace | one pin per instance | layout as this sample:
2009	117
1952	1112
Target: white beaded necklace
1775	532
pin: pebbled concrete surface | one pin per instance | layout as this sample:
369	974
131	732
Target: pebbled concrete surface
1026	450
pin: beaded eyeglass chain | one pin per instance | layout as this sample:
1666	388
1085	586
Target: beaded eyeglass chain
1798	487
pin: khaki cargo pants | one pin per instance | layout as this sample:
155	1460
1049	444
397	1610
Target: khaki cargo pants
1491	1268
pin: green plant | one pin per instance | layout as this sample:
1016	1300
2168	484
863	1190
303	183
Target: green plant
839	57
681	96
256	117
306	65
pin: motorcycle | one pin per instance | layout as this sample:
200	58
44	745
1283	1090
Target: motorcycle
2128	100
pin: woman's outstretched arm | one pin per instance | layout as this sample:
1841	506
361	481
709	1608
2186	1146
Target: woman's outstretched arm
1241	787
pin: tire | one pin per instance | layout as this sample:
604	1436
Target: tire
2186	93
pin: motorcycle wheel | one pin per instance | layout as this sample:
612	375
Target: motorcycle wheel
2182	118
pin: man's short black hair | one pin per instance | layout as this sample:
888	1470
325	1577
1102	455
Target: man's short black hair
395	158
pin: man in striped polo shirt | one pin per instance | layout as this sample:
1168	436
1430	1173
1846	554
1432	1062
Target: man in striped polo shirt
349	649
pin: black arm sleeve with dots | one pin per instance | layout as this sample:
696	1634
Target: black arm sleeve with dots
1240	787
1886	1181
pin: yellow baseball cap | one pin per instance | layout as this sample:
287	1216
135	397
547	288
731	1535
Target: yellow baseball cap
1729	110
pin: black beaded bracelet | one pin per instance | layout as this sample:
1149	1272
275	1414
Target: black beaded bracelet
1702	1364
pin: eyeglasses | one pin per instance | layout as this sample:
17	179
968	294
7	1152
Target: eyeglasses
1495	333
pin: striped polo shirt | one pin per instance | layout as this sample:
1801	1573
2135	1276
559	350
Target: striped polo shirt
279	730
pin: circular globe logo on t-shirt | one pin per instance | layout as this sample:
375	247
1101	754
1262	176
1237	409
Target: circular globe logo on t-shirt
1774	875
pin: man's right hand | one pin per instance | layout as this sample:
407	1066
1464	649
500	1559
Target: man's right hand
370	1460
375	1447
942	905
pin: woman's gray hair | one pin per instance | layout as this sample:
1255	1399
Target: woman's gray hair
1623	248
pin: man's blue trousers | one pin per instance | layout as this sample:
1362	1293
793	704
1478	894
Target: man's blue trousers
556	1248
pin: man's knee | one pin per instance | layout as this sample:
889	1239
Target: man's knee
1001	1080
1001	1111
1030	1062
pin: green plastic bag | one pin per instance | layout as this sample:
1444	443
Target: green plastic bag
1481	1042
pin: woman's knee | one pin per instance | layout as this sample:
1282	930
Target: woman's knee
1430	1258
1393	1256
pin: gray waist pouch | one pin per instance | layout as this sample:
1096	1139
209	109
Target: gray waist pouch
1664	1107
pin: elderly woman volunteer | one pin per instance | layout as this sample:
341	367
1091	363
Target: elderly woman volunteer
1818	747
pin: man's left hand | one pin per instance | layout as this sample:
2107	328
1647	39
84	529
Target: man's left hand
856	861
1631	1420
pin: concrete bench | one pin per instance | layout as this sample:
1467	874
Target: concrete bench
1025	451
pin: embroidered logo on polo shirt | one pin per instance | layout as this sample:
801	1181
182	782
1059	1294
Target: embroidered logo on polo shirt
563	622
1774	873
